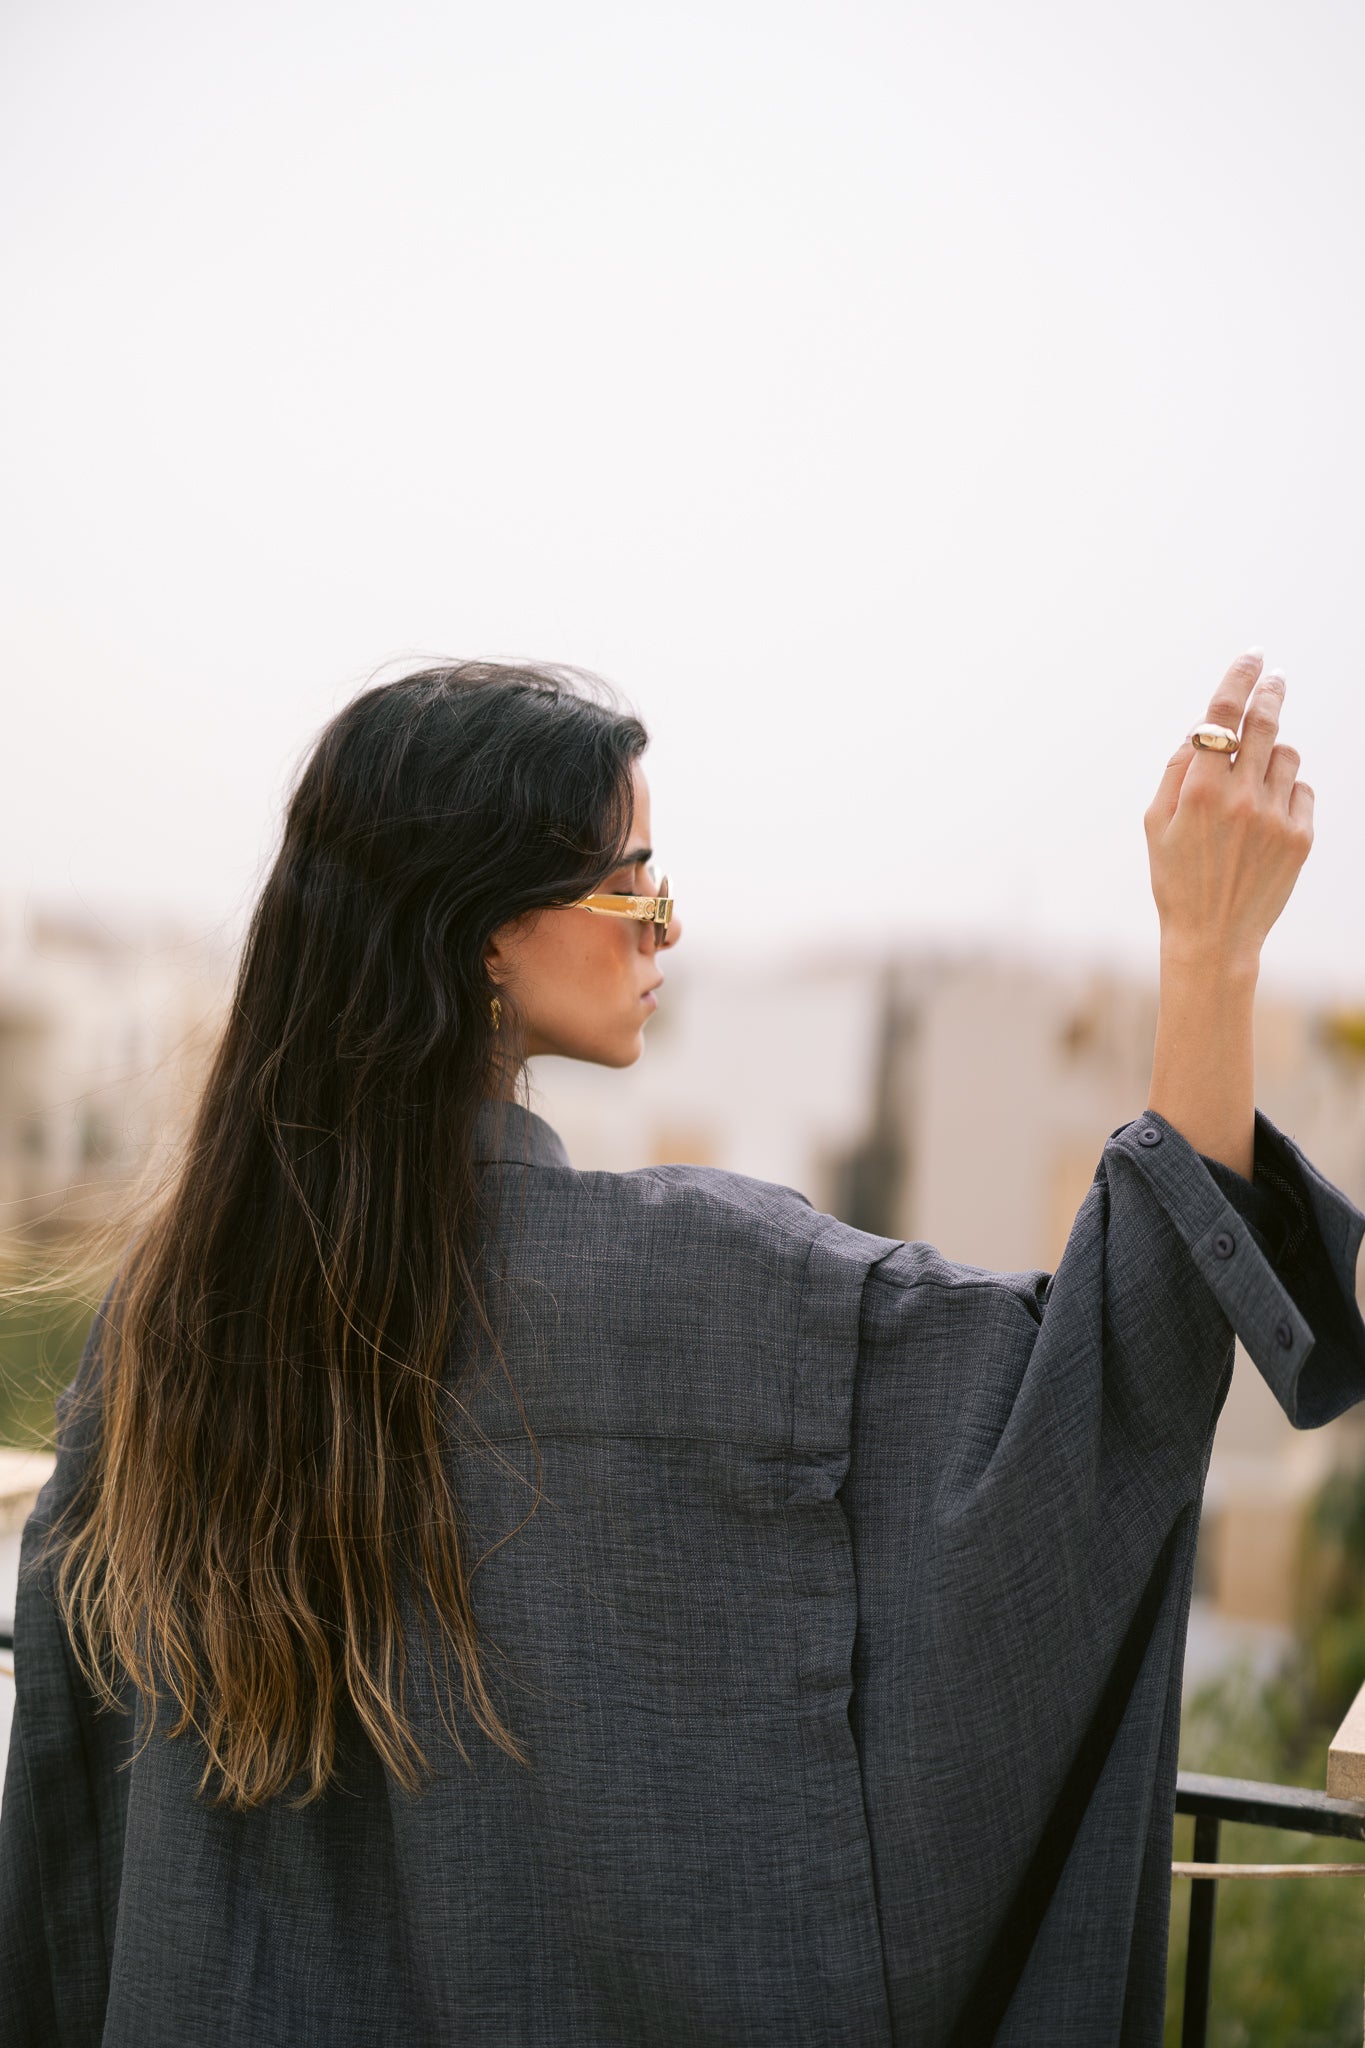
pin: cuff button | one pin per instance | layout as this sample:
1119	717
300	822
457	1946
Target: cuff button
1284	1335
1224	1245
1149	1135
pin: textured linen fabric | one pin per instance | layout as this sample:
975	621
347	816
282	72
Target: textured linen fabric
843	1552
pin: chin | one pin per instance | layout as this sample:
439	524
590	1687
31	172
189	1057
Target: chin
623	1052
629	1055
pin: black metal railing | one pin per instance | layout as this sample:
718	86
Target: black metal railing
1212	1801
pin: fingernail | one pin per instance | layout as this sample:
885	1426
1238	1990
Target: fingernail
1254	654
1273	675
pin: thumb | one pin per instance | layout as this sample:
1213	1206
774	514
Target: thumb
1162	807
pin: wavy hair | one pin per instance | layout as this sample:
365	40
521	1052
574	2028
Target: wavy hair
280	1368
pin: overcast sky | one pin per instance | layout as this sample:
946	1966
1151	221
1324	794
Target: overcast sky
911	409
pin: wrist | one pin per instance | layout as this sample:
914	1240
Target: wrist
1232	967
1203	1060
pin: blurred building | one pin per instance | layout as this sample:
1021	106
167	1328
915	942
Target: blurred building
961	1098
964	1100
104	1035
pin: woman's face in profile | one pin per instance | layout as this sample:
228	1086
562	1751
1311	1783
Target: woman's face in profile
582	983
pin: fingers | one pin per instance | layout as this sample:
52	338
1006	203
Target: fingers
1209	768
1161	809
1301	809
1229	699
1279	775
1249	703
1260	726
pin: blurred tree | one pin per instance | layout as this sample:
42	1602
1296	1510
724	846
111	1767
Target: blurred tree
40	1348
1332	1596
1344	1031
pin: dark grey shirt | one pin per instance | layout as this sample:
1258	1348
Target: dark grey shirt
846	1641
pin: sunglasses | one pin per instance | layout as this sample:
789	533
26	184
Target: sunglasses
655	910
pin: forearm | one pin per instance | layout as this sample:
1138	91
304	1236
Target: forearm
1203	1065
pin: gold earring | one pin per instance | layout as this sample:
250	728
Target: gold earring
495	1012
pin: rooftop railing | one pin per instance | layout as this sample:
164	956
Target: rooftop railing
1294	1808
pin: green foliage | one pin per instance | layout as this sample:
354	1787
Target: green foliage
1289	1954
1333	1594
40	1348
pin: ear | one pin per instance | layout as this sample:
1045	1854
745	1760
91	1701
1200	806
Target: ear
497	953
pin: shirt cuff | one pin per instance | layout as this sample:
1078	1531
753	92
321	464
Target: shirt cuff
1278	1252
1272	1207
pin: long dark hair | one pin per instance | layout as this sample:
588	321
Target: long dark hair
278	1363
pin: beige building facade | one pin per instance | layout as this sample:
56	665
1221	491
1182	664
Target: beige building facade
104	1036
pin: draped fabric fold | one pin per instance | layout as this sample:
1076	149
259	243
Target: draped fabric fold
845	1641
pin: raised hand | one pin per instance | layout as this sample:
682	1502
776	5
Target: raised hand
1226	838
1227	835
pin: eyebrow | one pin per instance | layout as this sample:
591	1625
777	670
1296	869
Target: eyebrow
630	860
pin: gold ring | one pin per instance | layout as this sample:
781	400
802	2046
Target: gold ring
1218	739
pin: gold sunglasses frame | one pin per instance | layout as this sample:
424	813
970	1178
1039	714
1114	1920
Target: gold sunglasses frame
655	910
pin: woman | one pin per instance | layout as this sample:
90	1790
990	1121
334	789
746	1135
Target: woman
582	1608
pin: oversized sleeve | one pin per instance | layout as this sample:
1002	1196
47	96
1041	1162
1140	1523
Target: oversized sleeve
65	1796
1028	1461
1308	1234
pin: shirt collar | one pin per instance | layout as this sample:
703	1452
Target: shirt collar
507	1130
